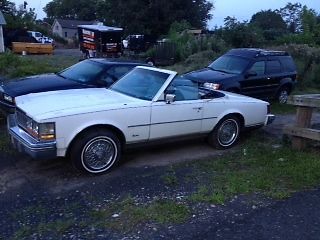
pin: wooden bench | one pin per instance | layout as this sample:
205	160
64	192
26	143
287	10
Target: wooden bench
302	130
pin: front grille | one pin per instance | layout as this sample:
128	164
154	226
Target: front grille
22	119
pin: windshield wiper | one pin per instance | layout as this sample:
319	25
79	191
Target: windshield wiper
61	75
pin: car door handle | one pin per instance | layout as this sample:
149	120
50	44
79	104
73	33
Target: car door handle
197	108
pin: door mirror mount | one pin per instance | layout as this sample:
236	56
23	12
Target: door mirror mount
251	73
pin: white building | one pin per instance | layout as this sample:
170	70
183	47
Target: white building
2	22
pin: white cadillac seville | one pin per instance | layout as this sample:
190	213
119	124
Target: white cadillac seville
92	126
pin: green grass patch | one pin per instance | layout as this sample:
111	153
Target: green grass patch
170	178
278	108
12	65
262	165
130	214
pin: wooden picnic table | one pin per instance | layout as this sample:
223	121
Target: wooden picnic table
301	132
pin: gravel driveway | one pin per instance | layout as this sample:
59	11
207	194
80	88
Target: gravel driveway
25	182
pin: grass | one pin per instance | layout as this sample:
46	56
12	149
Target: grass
261	166
12	65
5	145
130	214
170	178
278	108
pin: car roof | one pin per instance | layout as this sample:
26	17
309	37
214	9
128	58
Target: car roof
255	52
110	61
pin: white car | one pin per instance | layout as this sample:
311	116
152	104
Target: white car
93	126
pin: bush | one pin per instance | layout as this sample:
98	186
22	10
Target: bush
307	60
12	65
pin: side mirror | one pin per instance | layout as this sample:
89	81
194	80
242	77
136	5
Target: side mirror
170	98
251	73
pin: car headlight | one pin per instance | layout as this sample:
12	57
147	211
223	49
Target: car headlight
8	98
214	86
41	131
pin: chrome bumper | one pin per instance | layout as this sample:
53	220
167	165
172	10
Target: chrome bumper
24	143
269	119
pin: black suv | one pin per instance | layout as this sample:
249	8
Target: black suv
90	73
254	72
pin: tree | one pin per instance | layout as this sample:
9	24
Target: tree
17	17
267	20
72	9
6	6
241	34
135	16
271	23
291	14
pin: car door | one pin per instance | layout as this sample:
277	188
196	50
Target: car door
181	117
254	85
274	76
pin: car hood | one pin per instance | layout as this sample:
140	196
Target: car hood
43	106
208	75
38	83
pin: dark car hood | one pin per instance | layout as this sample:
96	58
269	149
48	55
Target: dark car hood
208	75
38	83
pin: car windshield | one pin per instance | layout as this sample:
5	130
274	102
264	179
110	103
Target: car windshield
141	83
84	72
229	64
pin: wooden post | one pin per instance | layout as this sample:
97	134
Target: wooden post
302	132
303	120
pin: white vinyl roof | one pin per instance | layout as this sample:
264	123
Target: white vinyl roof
101	28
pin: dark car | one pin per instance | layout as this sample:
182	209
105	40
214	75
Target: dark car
89	73
253	72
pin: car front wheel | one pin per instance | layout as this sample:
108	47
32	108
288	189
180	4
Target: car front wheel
96	151
226	133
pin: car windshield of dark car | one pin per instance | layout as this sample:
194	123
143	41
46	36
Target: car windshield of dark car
141	83
84	72
229	64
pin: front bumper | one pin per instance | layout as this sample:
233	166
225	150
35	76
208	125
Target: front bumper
24	143
269	119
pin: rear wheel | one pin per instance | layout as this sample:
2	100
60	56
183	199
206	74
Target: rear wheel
96	152
226	133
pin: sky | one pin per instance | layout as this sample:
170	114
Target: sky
241	9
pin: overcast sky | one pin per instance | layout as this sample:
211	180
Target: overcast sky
241	9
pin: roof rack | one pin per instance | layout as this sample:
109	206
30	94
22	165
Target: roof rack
256	52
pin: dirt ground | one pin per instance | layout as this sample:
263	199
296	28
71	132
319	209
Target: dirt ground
24	182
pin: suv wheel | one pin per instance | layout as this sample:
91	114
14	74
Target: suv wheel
283	94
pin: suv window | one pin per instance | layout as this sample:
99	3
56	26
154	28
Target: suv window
288	64
259	68
230	64
273	67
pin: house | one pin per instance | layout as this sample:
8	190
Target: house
2	22
67	28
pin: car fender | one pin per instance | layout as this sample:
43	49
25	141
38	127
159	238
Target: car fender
69	133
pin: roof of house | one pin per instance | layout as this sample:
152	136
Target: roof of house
101	28
2	20
73	24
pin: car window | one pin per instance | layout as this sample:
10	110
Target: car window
141	83
85	71
288	64
115	73
184	89
259	68
230	64
273	67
